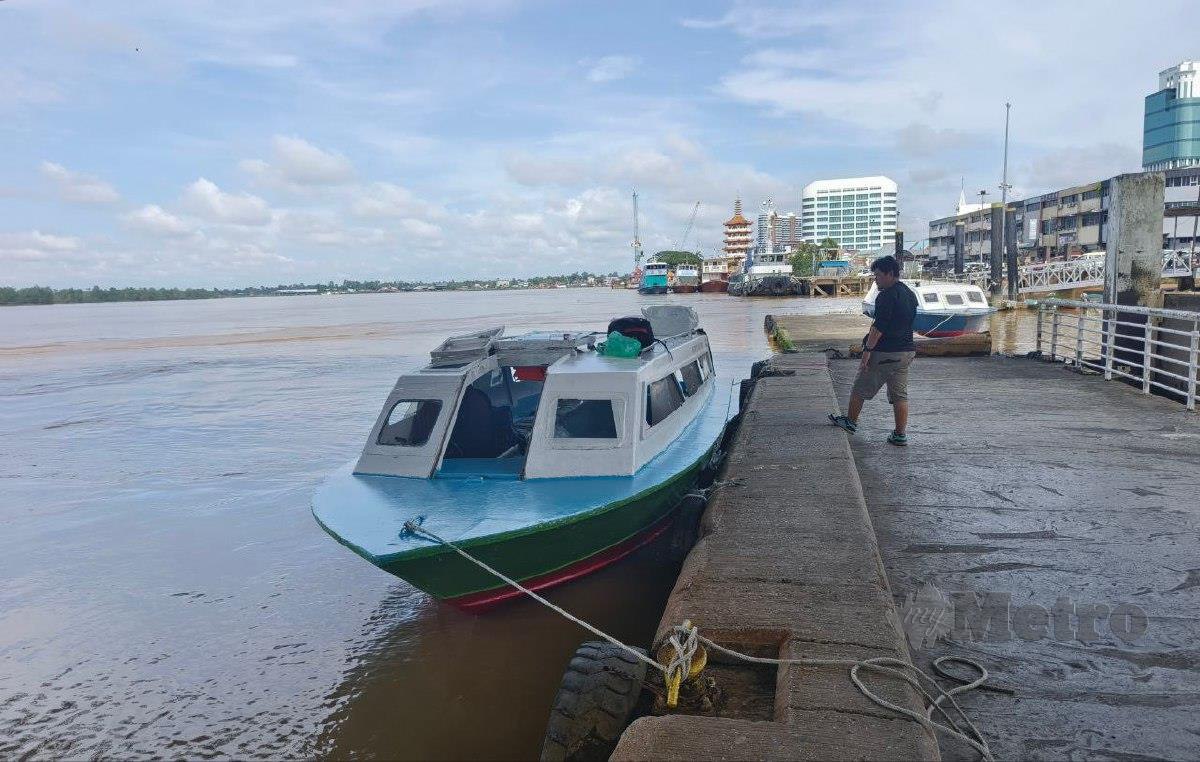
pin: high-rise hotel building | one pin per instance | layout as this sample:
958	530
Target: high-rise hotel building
857	212
1171	129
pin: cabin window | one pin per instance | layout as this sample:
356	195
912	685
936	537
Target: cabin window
954	299
931	298
663	397
410	422
975	296
585	419
692	378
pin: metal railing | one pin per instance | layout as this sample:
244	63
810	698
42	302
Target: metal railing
1084	272
1088	272
1177	264
1158	349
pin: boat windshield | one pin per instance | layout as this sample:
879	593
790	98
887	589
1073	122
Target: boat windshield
494	422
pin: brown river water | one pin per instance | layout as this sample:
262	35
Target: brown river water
165	591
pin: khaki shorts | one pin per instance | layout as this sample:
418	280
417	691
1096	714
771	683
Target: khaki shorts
889	368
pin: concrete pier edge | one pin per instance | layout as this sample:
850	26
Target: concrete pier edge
788	564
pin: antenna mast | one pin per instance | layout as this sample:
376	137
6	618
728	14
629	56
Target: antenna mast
637	241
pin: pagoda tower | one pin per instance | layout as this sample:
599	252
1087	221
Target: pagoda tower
738	238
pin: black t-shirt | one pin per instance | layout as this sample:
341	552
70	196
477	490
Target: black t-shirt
895	310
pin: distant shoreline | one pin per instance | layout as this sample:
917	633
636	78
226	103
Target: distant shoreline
43	296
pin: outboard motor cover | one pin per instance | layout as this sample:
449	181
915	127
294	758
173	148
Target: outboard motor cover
634	327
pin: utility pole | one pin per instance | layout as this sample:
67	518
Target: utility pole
1195	223
982	204
1004	187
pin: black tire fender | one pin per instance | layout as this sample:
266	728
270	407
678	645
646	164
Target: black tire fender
594	704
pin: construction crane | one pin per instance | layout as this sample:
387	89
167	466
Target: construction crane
637	241
687	231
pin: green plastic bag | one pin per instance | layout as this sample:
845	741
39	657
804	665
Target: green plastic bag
620	345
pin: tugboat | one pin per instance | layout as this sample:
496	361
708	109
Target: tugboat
541	454
943	309
687	279
654	278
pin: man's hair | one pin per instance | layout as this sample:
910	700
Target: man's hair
887	265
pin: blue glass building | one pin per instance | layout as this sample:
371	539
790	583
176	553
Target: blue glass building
1171	130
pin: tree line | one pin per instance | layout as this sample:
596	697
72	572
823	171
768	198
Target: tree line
11	297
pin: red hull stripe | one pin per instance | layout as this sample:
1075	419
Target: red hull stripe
943	334
479	602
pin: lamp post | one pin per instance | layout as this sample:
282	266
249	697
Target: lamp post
1004	187
982	204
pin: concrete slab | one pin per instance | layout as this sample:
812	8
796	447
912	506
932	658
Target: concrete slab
1032	484
789	565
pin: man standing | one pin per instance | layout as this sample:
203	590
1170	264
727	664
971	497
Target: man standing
888	350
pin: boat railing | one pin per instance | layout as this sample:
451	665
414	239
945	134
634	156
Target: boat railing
1155	349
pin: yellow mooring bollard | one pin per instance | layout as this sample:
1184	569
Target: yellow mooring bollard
675	679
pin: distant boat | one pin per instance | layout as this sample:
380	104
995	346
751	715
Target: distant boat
654	278
943	309
687	279
714	276
537	453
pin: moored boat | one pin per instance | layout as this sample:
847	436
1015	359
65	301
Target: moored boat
654	278
687	279
943	309
540	455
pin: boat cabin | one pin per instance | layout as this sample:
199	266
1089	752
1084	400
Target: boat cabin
938	297
542	405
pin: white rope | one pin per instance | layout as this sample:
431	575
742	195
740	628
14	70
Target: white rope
899	668
414	528
685	640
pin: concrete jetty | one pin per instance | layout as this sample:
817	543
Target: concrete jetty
1051	519
1042	522
788	567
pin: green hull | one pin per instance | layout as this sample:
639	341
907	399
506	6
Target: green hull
542	550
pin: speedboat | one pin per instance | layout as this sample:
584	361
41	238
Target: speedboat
541	454
943	309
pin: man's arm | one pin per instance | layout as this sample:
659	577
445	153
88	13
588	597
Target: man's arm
873	337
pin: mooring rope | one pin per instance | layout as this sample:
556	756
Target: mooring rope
686	639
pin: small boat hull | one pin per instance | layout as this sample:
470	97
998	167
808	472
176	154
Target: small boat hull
652	289
718	286
938	325
682	288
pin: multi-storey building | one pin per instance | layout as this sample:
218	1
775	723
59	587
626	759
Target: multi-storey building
857	212
1171	128
787	230
1069	221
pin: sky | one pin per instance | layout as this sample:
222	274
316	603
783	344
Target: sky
205	143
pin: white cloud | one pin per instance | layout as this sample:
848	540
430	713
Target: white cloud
296	162
611	68
204	199
155	220
388	200
36	246
78	188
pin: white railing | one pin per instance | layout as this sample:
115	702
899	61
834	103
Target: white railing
1084	272
1177	264
1088	272
981	278
1157	349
